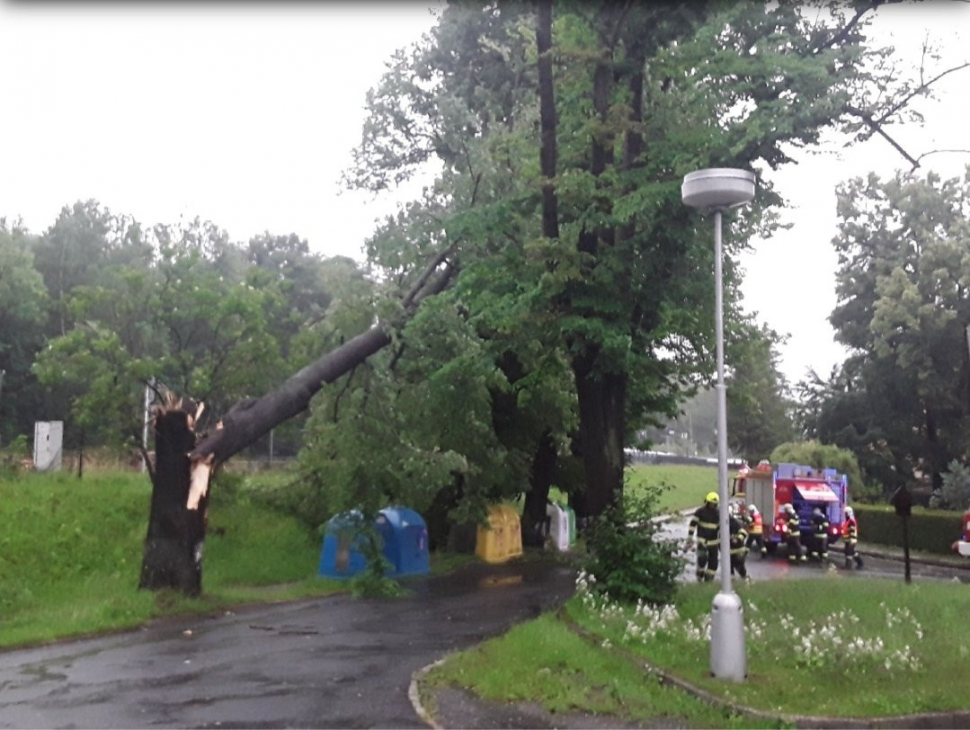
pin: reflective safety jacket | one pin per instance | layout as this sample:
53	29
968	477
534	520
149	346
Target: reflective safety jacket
794	526
850	530
704	522
738	536
755	525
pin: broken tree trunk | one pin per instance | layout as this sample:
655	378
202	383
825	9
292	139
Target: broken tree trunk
176	526
183	463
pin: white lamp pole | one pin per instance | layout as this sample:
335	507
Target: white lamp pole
719	189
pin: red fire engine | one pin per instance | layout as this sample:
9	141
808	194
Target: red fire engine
962	546
769	487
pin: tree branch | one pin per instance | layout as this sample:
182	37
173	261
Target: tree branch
844	31
877	128
936	152
247	422
918	90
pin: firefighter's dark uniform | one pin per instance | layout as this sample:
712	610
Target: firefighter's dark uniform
820	536
704	522
795	553
850	531
738	548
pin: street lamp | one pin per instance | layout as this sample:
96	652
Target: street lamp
720	189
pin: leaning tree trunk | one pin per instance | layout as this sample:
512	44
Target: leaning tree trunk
184	462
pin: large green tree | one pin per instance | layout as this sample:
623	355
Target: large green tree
587	117
759	404
901	400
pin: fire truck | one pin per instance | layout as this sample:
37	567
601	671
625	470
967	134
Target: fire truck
962	546
768	487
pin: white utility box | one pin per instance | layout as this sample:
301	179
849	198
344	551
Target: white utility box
48	445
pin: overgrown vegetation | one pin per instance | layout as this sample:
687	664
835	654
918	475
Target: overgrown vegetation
627	559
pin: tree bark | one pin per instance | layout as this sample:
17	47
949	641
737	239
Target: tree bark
172	555
534	518
548	154
601	396
546	458
602	428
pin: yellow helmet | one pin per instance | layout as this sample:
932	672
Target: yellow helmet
711	497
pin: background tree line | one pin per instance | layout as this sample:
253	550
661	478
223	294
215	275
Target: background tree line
96	307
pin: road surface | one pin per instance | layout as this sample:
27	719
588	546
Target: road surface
329	662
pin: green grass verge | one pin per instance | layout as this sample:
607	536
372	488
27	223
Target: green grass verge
688	483
812	644
826	646
543	661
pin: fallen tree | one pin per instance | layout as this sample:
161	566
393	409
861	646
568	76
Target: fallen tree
184	459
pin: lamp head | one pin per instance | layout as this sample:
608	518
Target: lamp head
717	187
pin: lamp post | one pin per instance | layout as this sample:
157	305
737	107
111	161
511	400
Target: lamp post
719	189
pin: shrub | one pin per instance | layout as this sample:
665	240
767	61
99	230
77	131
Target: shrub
929	530
956	486
626	556
827	456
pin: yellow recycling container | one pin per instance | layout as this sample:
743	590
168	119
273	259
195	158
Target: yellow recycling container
501	539
513	531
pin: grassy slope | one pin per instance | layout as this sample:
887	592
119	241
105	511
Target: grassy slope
70	553
688	483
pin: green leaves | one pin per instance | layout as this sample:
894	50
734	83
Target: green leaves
903	307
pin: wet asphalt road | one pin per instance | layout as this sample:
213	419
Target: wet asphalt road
330	662
776	566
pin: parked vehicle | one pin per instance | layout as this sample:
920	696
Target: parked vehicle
768	487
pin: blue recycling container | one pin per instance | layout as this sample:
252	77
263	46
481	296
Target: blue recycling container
404	535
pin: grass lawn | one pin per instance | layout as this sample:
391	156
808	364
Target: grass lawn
826	646
688	483
543	661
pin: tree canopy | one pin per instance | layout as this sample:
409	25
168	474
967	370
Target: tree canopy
901	400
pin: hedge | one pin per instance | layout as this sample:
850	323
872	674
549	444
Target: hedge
931	531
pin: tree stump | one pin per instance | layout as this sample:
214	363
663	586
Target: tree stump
172	556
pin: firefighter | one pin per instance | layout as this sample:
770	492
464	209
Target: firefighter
705	522
850	532
755	528
739	537
795	554
820	535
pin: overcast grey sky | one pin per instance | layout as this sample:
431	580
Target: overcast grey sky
245	114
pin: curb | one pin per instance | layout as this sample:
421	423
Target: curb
874	552
414	694
922	720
